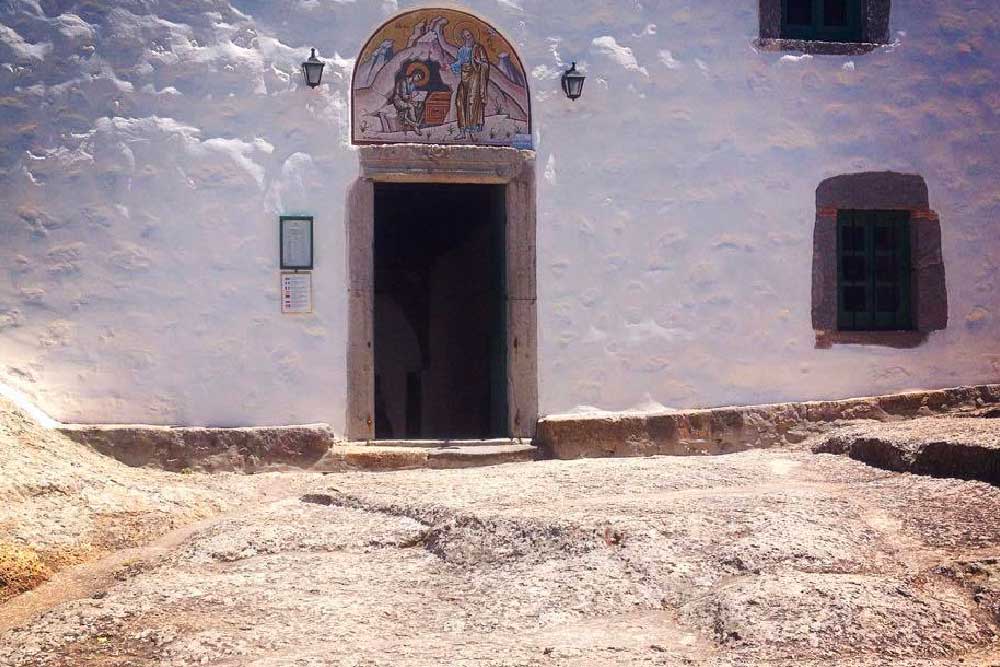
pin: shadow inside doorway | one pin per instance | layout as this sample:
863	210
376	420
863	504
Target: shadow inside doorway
440	326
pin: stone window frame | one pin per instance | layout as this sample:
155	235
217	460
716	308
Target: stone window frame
882	190
874	31
428	163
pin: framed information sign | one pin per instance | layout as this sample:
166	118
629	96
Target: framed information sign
296	293
295	237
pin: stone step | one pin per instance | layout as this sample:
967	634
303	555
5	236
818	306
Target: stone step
441	444
351	457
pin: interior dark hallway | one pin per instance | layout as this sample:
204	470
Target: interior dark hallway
439	322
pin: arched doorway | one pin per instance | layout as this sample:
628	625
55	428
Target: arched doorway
441	237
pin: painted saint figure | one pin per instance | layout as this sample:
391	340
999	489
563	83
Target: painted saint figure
473	64
404	99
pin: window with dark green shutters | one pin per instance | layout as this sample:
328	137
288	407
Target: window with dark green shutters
821	20
873	270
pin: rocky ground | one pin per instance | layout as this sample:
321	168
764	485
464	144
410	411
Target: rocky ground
772	558
62	504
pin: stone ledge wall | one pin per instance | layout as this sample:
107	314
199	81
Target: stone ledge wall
688	433
728	430
177	449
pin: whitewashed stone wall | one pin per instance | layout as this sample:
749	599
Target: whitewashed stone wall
147	148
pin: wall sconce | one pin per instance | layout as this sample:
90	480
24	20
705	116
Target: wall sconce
312	70
572	82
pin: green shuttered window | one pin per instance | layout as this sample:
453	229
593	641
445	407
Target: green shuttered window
821	20
873	271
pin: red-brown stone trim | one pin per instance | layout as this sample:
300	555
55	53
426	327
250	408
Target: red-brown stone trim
924	214
897	339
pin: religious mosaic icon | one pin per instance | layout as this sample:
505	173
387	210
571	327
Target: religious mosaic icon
439	76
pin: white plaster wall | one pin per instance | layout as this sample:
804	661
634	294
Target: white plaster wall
148	147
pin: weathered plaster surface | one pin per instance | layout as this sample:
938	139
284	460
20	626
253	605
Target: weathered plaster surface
146	150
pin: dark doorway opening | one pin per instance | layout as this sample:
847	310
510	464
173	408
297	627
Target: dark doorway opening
440	329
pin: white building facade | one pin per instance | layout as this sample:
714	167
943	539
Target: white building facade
683	223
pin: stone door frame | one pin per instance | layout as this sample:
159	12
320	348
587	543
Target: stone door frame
417	163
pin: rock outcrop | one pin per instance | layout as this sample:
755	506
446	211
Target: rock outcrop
939	447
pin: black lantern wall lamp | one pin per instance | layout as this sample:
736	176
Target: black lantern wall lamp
572	82
312	70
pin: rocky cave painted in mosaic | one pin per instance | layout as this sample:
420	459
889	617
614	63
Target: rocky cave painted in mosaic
440	76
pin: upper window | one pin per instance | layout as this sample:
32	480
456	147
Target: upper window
821	20
873	270
826	27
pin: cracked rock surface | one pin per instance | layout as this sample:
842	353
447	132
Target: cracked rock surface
772	558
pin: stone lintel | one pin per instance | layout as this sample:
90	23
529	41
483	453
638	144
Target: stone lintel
419	163
885	190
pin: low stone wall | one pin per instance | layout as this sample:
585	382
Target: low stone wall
692	432
377	458
259	449
248	449
727	430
